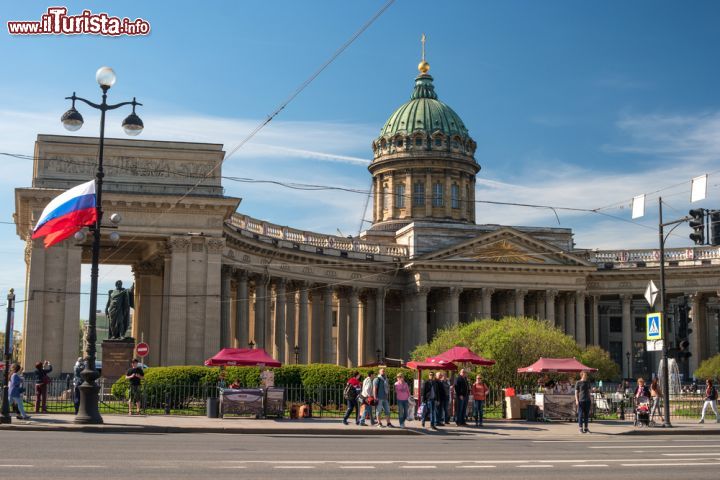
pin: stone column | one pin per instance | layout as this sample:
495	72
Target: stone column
148	306
380	321
242	310
353	332
475	306
211	331
328	356
550	296
177	326
342	328
453	311
596	319
261	312
570	314
226	273
377	184
419	323
369	328
290	321
279	320
697	326
487	293
540	305
408	193
317	319
561	312
428	194
520	302
447	196
303	324
627	329
580	333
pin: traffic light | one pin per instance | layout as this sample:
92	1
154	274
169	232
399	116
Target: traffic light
698	225
715	227
684	330
684	349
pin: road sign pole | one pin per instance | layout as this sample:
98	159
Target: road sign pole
666	373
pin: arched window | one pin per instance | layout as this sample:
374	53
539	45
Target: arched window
400	196
437	200
418	141
455	196
399	143
419	194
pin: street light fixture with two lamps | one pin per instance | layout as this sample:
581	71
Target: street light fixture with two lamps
72	120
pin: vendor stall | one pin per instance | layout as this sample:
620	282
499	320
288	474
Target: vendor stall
557	402
428	364
259	402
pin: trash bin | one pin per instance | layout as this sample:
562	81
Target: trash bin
532	413
213	409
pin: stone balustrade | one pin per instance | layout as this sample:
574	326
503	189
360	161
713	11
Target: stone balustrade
334	242
651	257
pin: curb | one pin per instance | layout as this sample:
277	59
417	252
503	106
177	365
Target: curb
671	431
240	431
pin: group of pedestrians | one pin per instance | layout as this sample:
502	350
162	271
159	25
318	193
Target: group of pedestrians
16	388
436	396
374	393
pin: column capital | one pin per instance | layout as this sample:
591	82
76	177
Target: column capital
454	291
149	267
521	292
551	294
580	296
626	297
488	290
178	245
241	275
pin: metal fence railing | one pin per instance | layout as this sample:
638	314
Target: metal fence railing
326	400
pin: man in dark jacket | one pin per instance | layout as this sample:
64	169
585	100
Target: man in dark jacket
443	407
429	397
42	369
462	390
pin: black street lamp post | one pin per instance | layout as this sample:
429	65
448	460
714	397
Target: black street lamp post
72	120
5	418
629	371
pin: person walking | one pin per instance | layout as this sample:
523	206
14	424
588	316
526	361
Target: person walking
656	395
16	390
402	395
711	396
135	375
350	393
42	369
462	390
381	392
443	404
429	397
77	381
367	399
582	401
479	393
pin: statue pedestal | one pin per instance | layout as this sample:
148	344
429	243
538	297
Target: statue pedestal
117	355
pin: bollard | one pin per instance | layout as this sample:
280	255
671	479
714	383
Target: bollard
622	410
167	403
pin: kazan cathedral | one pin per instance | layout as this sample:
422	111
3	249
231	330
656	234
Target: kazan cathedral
207	276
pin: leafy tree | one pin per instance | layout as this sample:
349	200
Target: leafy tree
595	357
709	368
513	342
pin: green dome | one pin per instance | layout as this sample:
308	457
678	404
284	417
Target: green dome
424	112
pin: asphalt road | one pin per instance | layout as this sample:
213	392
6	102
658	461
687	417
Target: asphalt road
61	455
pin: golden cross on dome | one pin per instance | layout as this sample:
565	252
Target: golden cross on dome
423	66
422	40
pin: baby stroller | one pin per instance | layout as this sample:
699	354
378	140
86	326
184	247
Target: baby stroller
642	411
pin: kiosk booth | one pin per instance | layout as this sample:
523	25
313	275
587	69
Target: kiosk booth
557	402
267	401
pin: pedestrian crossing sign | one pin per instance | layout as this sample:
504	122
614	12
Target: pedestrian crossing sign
653	330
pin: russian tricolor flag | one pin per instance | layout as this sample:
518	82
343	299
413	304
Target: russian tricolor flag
66	214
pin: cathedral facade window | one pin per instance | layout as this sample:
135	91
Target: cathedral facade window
400	196
438	193
455	196
419	194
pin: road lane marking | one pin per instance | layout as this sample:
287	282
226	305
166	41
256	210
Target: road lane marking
660	446
17	466
476	466
686	464
689	454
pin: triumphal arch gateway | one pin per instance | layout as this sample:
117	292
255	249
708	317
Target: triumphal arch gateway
208	276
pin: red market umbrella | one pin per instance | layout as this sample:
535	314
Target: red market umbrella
431	364
254	357
463	355
556	365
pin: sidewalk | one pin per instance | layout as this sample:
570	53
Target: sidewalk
325	426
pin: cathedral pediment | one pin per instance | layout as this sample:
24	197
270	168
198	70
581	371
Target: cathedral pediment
505	246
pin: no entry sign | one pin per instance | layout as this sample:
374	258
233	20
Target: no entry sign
142	349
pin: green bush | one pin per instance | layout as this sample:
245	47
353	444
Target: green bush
709	368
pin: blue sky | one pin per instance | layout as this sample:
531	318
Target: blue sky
579	104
